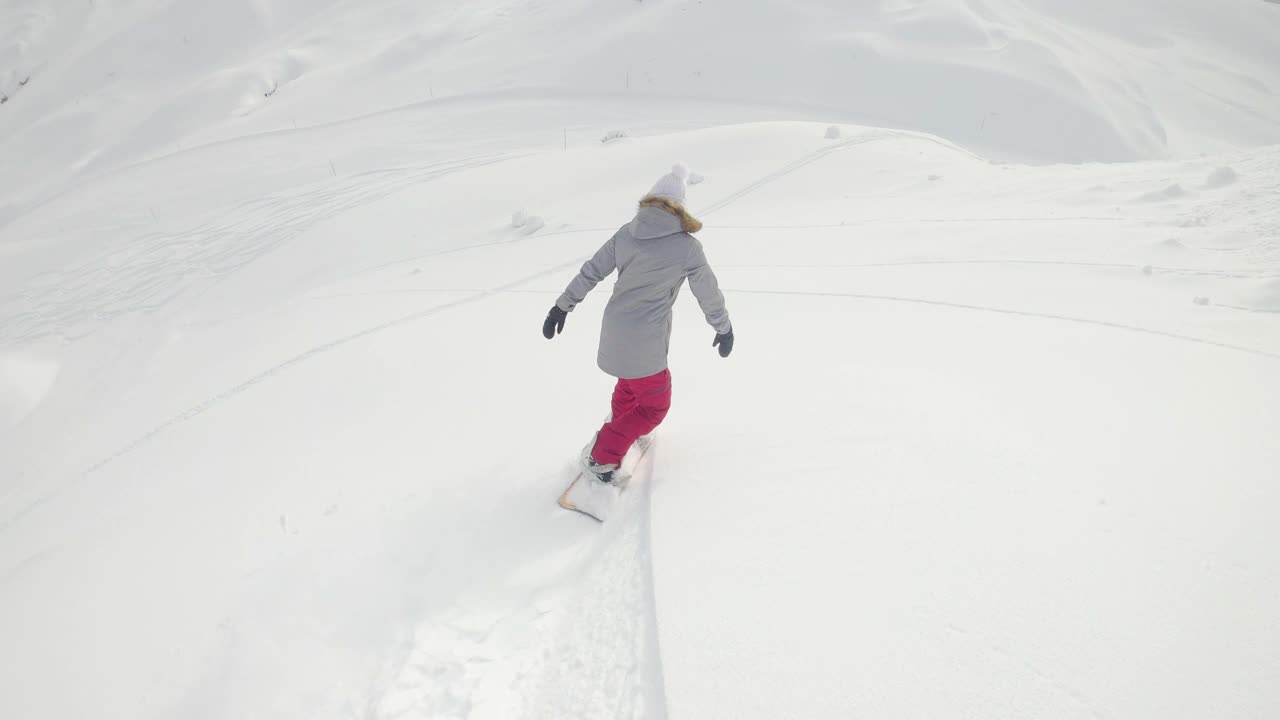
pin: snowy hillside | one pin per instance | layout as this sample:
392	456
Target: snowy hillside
279	436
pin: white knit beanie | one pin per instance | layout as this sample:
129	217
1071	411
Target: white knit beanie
672	185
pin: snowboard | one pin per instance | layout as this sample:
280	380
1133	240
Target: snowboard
596	500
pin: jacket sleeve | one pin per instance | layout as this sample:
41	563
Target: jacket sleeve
599	267
706	288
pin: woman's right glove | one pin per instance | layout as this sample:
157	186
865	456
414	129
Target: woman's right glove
554	324
725	342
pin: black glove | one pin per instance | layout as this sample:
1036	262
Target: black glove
554	324
725	343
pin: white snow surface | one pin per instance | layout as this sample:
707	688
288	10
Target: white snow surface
280	438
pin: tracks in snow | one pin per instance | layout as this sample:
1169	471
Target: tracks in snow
1238	274
582	645
158	267
267	374
1011	311
791	168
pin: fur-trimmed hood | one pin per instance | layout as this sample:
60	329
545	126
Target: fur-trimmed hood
687	222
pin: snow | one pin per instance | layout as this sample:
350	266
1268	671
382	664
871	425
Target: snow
279	436
1221	177
26	379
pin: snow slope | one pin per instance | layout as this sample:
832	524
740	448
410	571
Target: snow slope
114	82
279	438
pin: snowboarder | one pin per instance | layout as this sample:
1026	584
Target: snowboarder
653	253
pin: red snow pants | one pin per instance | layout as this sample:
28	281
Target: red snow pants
639	406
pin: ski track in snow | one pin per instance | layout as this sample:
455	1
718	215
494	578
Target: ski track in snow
1010	311
1241	274
267	374
923	221
463	248
157	268
985	645
793	167
724	202
584	645
1242	308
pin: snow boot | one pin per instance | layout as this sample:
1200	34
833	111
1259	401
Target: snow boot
605	473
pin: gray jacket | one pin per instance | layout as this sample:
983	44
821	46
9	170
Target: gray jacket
653	255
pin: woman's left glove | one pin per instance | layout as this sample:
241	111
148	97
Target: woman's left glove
724	342
554	324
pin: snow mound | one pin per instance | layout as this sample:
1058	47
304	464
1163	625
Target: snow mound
1170	192
534	224
262	82
530	224
1221	177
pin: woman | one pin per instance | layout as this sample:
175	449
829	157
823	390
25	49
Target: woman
653	253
